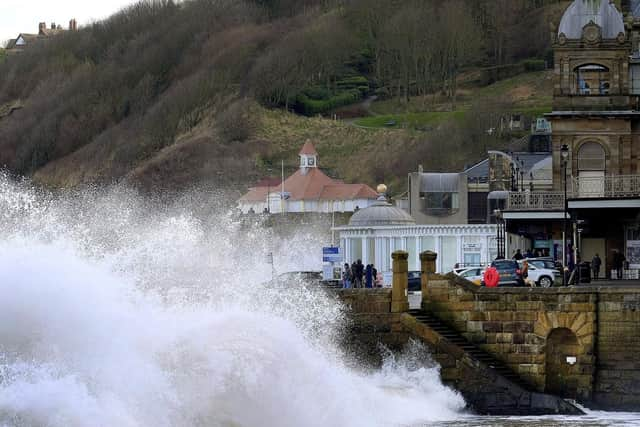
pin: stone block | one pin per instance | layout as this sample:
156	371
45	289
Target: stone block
523	327
504	338
492	327
528	305
518	338
525	316
500	315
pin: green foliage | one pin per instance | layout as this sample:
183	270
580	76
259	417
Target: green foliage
534	64
309	107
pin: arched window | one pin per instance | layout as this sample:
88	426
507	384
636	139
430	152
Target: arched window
592	79
591	157
591	170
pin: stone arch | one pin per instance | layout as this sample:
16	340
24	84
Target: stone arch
580	323
562	368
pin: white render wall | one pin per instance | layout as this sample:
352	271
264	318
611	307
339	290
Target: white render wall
453	244
301	206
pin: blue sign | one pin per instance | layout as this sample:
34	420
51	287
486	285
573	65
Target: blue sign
331	255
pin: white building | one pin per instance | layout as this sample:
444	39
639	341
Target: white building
308	190
374	233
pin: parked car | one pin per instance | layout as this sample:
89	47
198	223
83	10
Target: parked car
546	262
542	276
474	275
415	283
510	272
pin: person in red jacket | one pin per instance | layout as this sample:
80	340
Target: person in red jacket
491	277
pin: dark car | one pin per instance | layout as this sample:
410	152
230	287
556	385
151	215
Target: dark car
414	281
510	273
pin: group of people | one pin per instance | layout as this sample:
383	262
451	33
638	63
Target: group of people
357	275
536	253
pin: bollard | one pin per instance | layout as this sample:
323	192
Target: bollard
399	296
427	267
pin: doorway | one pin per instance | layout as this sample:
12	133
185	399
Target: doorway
592	246
561	363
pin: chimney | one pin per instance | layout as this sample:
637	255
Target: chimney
41	27
73	25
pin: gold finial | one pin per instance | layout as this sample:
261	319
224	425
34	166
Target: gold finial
382	188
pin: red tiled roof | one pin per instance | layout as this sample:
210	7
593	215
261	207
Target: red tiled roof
308	149
255	194
348	192
306	186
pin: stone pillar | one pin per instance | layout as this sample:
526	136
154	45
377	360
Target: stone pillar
427	267
399	296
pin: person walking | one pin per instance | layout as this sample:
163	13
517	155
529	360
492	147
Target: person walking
369	276
346	276
359	273
374	273
525	274
596	262
518	255
618	262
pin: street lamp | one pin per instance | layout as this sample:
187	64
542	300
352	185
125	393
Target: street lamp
500	234
564	154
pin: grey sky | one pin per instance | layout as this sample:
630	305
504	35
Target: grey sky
22	16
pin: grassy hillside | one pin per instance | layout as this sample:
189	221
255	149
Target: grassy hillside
215	93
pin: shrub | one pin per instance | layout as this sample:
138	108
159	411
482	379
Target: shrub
310	107
534	64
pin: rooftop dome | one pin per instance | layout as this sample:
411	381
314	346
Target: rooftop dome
601	12
381	213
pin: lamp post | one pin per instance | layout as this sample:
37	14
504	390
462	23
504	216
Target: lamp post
269	190
564	154
500	237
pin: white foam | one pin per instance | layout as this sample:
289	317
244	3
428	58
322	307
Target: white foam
115	314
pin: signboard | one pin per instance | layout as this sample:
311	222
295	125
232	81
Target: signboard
472	247
331	255
633	253
543	244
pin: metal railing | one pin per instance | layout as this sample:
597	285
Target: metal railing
532	201
605	187
612	186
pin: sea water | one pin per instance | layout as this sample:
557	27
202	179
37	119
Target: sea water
120	311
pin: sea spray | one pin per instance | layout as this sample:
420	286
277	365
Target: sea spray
119	311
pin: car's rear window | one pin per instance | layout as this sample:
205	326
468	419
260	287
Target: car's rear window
505	266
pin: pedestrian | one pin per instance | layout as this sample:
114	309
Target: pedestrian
518	255
354	268
359	273
596	262
346	276
369	276
525	274
529	254
618	262
374	273
491	277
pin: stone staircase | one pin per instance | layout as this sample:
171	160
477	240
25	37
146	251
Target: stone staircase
487	384
470	349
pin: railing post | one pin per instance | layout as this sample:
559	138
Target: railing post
427	267
399	295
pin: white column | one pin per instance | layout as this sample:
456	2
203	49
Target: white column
460	251
439	252
378	251
365	255
347	250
